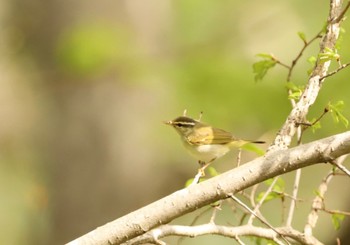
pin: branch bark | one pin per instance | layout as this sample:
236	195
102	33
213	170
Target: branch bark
220	187
298	114
227	231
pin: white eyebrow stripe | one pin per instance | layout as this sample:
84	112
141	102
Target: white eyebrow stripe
184	123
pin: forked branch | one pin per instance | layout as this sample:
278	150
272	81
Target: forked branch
217	188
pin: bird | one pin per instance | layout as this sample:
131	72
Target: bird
204	142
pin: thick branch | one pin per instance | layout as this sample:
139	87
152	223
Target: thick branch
220	187
297	115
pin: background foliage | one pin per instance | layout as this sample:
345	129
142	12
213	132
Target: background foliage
85	87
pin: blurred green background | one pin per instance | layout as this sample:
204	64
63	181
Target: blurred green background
85	86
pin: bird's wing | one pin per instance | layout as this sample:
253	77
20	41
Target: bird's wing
209	135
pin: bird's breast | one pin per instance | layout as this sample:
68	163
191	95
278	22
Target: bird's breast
207	153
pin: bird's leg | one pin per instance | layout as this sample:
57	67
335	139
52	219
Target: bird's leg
201	172
204	165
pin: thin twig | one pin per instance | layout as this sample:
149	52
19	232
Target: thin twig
239	240
308	124
257	216
194	221
341	167
306	44
197	178
252	195
280	63
335	71
257	207
294	197
215	210
317	204
335	211
239	157
287	195
295	186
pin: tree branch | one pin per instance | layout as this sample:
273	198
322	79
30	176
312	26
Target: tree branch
228	231
284	136
317	204
220	187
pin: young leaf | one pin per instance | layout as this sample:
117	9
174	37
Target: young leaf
269	197
291	86
189	181
328	55
295	95
261	67
337	220
265	56
336	110
312	60
317	193
302	36
315	126
277	189
296	91
340	39
212	171
279	185
253	148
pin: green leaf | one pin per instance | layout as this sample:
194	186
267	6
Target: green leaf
296	91
317	193
253	148
269	197
337	220
265	56
279	185
277	189
212	171
302	36
215	204
295	95
260	68
336	110
312	60
324	28
263	241
328	55
315	126
340	39
189	181
268	182
291	86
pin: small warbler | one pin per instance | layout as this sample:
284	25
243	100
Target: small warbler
205	142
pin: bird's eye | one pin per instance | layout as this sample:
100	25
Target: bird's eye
184	124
